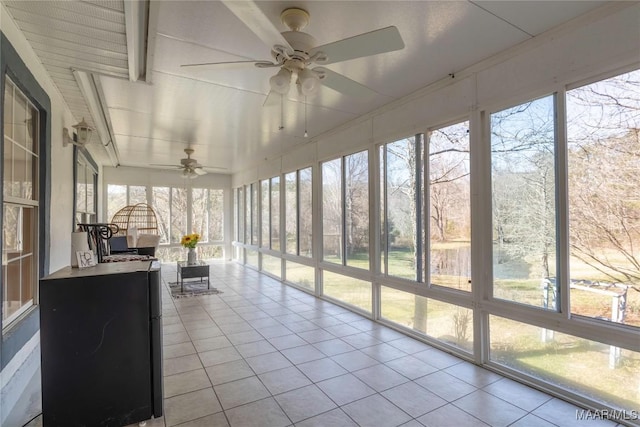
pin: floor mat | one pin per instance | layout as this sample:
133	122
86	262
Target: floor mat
191	289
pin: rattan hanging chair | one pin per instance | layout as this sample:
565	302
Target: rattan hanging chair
140	216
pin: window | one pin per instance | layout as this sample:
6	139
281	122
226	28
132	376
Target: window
161	202
241	213
401	188
254	214
446	322
356	209
178	215
523	198
137	194
291	212
86	183
589	368
236	212
298	212
21	203
305	212
116	199
450	207
301	275
247	214
265	205
207	214
275	213
345	210
332	211
604	201
119	196
352	291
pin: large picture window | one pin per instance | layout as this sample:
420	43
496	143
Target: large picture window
401	190
345	210
305	209
604	198
21	197
275	213
179	211
161	202
450	207
291	212
298	212
254	214
265	206
332	211
207	214
241	214
356	209
247	214
523	197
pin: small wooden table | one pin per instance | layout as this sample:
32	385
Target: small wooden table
189	271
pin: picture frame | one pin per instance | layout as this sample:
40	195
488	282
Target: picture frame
85	259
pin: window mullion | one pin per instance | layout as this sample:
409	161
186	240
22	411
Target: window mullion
385	218
343	189
417	142
562	208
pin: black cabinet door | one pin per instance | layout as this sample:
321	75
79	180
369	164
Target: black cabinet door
95	339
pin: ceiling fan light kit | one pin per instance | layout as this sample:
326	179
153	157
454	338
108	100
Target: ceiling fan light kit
281	82
189	167
309	82
298	54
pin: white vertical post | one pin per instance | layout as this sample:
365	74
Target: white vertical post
614	352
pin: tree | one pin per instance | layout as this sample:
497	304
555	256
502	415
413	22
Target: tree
357	202
604	159
523	169
605	207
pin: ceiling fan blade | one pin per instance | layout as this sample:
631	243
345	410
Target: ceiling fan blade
251	15
345	85
166	166
199	171
379	41
231	64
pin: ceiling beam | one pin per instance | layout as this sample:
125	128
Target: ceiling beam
92	95
136	17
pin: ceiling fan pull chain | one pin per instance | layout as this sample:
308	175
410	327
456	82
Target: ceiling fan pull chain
281	112
306	134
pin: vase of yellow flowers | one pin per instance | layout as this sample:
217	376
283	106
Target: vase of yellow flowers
190	241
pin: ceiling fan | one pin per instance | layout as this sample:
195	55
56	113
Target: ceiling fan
190	167
296	53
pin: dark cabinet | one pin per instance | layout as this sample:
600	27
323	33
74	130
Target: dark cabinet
101	340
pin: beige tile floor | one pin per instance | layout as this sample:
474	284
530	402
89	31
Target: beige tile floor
265	354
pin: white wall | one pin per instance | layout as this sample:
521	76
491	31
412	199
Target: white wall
160	177
600	42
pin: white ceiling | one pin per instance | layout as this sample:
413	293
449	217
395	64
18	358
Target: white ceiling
219	111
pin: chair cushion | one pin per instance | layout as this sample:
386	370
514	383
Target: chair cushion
118	244
148	241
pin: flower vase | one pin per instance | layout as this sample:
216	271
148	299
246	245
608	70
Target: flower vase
192	257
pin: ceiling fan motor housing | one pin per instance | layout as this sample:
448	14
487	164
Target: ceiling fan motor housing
188	161
302	43
295	18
